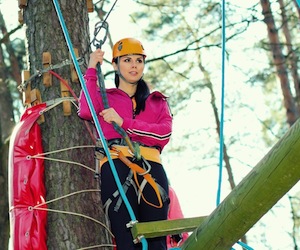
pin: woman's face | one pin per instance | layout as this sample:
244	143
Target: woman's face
131	67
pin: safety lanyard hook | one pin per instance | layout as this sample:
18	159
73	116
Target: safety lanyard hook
146	166
98	26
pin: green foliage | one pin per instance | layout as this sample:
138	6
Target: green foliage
18	47
20	52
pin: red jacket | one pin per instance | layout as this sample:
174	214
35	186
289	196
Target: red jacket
152	127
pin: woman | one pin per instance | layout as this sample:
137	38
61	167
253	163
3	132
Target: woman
146	119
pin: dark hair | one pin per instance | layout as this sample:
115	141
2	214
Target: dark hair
141	94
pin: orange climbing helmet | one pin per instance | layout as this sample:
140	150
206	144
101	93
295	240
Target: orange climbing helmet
127	46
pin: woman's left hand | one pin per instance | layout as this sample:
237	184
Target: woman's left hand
110	115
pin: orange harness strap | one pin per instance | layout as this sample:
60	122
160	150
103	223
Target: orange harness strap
136	169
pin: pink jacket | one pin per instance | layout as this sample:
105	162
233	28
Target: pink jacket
152	127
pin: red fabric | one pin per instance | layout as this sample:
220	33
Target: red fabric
26	184
175	212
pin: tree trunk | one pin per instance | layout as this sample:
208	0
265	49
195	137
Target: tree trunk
61	130
280	63
291	55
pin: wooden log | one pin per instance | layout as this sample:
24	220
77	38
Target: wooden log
254	196
165	227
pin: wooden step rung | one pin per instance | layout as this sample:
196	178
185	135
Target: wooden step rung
154	229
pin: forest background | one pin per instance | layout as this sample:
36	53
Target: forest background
184	52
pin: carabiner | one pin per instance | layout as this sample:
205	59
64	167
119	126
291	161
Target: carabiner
148	169
98	26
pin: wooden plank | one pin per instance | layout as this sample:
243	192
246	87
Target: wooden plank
255	195
165	227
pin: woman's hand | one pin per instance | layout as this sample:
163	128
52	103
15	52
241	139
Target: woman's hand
96	57
110	115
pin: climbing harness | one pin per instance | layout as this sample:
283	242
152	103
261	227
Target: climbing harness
136	169
119	150
122	152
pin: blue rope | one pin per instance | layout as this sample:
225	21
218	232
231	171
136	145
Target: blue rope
298	2
94	115
222	106
222	116
245	246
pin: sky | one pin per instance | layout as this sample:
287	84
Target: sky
197	189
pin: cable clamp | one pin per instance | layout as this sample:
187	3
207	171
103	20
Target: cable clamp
138	239
131	223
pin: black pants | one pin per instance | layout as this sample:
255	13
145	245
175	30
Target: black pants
143	211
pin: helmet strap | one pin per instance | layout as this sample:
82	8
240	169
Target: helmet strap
123	78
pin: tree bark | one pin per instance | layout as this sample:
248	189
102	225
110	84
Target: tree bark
292	57
279	63
61	131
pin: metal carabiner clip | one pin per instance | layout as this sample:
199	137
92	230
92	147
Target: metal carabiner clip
98	26
146	166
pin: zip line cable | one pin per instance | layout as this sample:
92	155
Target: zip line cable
94	116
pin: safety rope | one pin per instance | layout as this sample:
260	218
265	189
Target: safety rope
222	114
42	156
98	44
76	98
40	72
222	105
95	119
55	103
74	214
40	205
65	83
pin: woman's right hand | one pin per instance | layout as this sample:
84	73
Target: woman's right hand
96	57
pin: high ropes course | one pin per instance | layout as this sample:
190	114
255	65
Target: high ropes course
254	196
